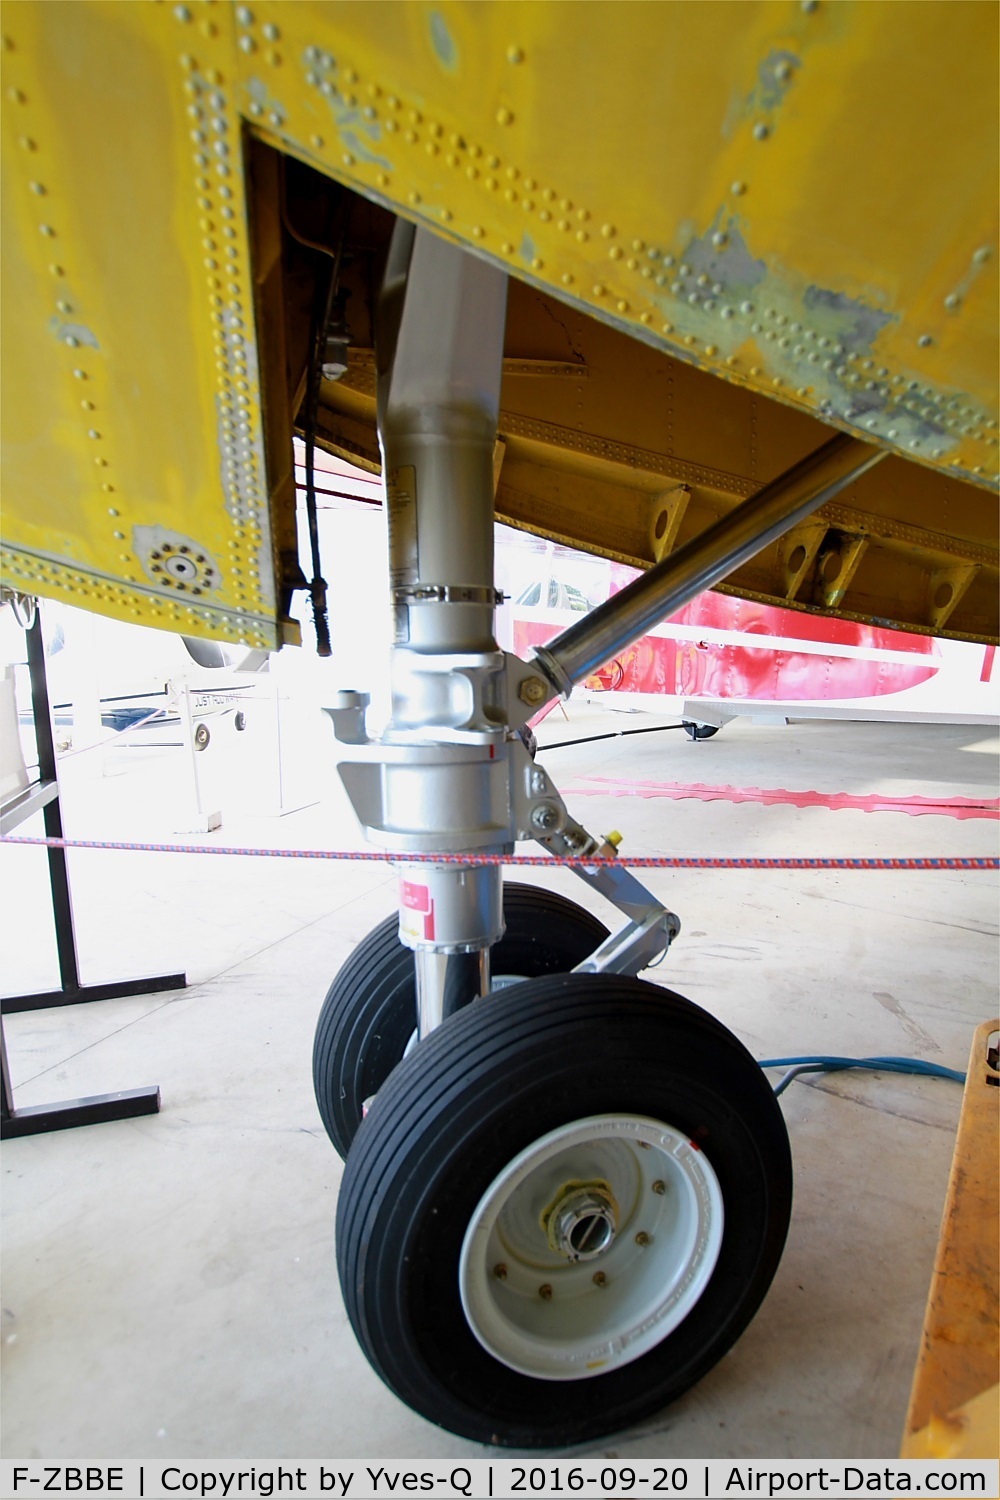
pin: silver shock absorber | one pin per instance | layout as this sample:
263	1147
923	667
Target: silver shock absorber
438	781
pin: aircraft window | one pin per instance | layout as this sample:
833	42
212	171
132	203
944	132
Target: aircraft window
558	596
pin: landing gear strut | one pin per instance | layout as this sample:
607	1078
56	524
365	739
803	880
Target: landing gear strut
369	1017
570	1196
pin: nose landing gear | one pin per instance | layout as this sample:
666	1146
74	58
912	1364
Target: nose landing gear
570	1196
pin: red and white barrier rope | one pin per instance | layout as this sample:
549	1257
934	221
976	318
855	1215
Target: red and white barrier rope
639	862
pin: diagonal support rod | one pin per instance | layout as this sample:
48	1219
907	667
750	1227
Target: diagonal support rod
705	560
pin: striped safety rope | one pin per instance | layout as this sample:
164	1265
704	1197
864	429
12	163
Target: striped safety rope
639	862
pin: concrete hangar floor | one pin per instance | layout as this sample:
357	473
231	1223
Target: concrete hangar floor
169	1282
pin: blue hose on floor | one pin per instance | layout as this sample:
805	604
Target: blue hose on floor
797	1065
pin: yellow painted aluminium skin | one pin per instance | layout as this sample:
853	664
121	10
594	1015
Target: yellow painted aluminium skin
133	478
798	198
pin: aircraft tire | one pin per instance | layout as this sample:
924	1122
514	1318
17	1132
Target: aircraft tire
562	1209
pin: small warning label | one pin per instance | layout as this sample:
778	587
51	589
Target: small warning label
416	897
416	911
401	493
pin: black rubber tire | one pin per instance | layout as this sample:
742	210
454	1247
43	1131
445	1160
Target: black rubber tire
482	1088
369	1013
700	731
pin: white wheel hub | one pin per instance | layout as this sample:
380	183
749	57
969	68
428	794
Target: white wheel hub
590	1247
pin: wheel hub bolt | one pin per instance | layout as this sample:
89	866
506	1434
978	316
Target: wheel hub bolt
642	1238
545	1292
659	1187
500	1271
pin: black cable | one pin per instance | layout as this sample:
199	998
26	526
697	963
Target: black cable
617	734
323	302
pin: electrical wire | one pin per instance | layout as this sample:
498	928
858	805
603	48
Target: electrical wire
822	1064
343	495
326	292
286	219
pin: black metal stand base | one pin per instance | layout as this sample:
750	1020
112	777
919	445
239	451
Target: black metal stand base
34	1119
82	994
44	797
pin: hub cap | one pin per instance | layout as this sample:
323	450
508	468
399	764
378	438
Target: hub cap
590	1247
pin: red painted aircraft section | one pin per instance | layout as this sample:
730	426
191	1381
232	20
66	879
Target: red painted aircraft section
700	669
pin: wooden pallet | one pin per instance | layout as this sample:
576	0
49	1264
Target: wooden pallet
954	1404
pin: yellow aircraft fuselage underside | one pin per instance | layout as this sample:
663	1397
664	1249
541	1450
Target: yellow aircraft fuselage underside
730	227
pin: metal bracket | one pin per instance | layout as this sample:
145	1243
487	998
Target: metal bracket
448	593
650	929
527	689
447	697
635	947
540	813
347	714
647	935
537	809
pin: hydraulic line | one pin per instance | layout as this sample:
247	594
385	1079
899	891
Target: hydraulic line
821	1064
